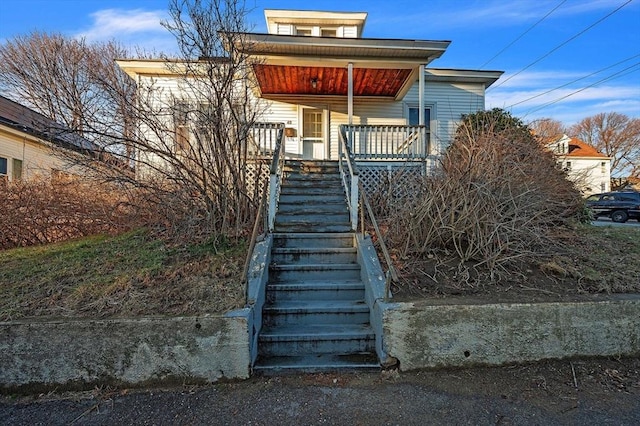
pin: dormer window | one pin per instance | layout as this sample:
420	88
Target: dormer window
328	32
304	31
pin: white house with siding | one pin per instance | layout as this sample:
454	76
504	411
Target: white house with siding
32	145
317	74
588	168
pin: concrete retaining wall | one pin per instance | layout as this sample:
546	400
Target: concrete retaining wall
124	351
423	335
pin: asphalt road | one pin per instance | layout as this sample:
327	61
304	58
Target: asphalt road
553	393
605	221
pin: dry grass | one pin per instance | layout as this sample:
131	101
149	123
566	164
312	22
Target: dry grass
586	261
128	275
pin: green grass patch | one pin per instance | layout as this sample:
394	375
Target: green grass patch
131	274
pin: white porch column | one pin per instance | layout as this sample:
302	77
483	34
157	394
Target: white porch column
350	92
421	95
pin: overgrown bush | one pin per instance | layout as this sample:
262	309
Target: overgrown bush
41	211
494	200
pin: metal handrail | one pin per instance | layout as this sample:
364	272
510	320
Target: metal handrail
391	275
355	193
254	239
275	176
351	187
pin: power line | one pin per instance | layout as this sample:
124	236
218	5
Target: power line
611	77
574	81
523	34
560	45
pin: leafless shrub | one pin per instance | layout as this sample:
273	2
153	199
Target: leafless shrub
41	211
493	202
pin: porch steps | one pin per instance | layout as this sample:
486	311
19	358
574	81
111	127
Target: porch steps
315	317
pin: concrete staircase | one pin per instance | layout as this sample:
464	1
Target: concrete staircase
315	316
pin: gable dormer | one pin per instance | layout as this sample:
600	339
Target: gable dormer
315	23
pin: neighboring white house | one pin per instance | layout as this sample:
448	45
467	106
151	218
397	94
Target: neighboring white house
589	169
30	146
315	73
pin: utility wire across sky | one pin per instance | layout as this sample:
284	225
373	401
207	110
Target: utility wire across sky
559	46
523	34
573	81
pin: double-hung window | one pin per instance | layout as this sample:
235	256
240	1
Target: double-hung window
3	166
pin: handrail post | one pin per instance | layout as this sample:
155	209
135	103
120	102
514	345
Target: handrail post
273	195
354	202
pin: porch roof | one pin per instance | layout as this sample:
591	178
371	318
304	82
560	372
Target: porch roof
302	65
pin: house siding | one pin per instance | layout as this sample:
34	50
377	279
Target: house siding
37	157
449	101
588	174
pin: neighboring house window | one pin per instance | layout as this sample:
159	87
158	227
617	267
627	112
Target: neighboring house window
567	166
181	126
603	167
3	166
204	121
603	186
329	32
303	31
16	173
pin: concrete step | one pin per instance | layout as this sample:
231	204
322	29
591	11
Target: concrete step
337	339
311	218
311	166
297	313
313	272
295	178
313	255
315	290
306	181
317	363
310	190
314	240
311	208
314	199
306	227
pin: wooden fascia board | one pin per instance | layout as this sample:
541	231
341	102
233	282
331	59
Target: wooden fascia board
18	134
408	84
335	61
319	98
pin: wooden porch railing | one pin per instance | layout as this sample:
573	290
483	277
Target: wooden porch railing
370	142
268	141
263	139
358	202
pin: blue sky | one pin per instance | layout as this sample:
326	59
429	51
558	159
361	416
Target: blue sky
587	61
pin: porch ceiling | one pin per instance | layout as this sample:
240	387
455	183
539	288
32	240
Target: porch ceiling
298	80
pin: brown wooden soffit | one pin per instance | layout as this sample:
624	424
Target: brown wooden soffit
299	80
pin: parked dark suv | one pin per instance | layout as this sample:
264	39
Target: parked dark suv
619	206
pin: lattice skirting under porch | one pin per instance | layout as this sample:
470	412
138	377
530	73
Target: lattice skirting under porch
392	179
257	176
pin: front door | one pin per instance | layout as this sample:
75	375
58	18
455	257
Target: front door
313	134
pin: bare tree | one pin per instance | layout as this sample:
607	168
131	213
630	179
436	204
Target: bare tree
615	135
547	129
192	154
188	139
62	78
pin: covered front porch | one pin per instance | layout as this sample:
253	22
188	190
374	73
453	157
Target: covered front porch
324	89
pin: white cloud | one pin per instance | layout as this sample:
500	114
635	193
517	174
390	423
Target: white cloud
567	104
117	23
